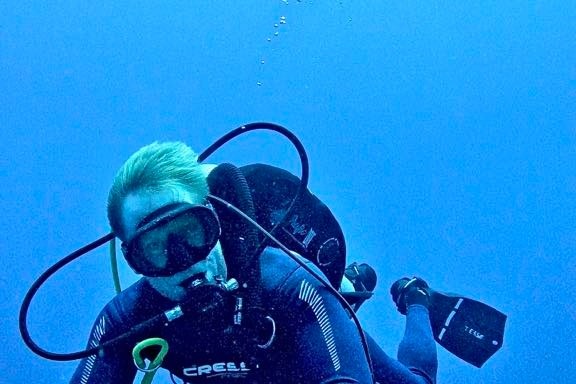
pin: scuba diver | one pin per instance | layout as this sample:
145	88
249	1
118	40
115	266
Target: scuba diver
244	280
161	206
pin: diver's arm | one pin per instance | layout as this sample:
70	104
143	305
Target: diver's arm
327	344
417	361
417	350
113	366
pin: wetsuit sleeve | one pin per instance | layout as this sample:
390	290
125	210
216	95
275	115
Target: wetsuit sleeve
113	365
417	360
326	344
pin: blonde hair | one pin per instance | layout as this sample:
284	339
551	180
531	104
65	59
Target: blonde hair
155	167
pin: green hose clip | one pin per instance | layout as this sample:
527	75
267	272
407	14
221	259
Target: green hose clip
149	371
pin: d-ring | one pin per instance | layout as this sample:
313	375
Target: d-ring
272	336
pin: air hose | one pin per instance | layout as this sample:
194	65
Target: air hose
114	266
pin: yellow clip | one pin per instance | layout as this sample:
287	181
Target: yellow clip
149	371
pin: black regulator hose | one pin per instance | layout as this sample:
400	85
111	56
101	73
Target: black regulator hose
305	165
34	288
206	299
270	127
262	126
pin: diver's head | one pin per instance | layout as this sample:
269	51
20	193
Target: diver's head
157	207
157	167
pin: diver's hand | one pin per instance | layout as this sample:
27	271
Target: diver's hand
409	291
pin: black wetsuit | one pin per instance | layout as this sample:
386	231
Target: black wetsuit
315	341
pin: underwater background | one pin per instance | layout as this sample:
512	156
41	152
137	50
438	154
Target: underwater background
442	134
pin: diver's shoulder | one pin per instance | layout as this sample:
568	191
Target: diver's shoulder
276	267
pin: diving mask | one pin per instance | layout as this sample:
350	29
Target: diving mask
172	239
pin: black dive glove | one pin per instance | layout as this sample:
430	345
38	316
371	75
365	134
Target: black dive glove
407	292
362	276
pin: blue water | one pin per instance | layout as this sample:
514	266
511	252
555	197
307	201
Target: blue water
442	134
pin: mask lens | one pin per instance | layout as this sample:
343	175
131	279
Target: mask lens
173	241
